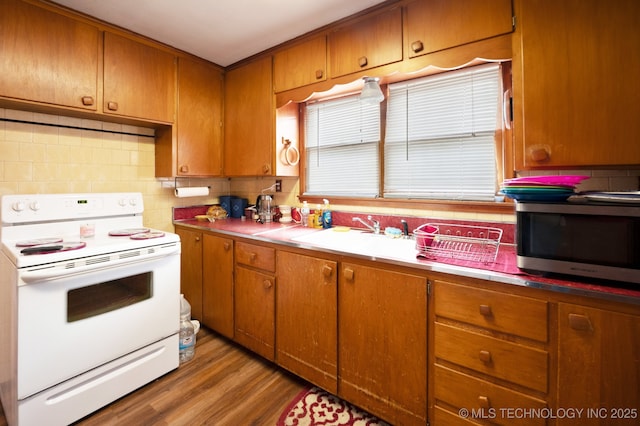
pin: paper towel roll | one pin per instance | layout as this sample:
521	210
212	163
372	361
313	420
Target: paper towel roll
192	191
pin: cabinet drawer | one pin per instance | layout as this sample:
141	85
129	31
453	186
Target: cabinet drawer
518	315
442	417
479	396
505	360
256	256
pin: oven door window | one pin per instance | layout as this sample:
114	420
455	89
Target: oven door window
97	299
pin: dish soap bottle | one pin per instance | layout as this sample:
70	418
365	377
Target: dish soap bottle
326	215
187	332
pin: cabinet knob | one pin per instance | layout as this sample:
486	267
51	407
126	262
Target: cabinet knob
362	61
252	257
112	106
539	153
184	169
267	284
417	46
266	169
226	246
348	274
580	322
484	402
319	74
485	311
197	239
87	100
484	356
327	271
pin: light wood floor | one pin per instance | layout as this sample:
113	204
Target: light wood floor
223	385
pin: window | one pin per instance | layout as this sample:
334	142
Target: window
439	141
342	139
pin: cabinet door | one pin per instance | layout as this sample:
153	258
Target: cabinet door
372	42
199	123
139	80
301	64
434	25
254	295
575	83
47	57
249	130
191	269
307	294
217	284
599	364
382	330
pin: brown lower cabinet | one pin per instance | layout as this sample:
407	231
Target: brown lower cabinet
410	345
306	318
254	298
217	284
382	330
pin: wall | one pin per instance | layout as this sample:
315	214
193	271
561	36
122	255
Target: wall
43	159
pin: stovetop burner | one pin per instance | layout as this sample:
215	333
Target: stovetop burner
38	242
53	248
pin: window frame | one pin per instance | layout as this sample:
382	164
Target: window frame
504	162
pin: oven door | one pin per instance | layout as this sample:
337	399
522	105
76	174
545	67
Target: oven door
73	323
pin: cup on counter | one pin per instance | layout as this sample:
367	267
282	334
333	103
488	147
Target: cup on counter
87	230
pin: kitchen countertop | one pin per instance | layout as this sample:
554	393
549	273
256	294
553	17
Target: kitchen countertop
504	270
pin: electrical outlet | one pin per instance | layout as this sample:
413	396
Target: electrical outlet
278	185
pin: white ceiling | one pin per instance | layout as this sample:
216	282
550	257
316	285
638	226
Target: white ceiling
221	31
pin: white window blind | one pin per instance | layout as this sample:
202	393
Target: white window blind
440	136
342	138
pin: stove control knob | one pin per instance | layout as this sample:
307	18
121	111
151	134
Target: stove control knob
133	201
18	206
35	206
122	202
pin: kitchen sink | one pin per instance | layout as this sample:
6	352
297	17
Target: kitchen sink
360	242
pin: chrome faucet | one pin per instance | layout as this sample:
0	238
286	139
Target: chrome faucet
376	225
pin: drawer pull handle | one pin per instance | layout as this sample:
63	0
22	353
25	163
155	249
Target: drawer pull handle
417	46
363	61
485	311
485	356
580	322
252	257
484	401
87	100
112	106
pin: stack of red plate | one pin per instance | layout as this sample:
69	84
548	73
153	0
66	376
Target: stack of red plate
541	188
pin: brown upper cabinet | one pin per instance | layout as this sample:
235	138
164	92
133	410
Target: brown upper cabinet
193	146
250	116
433	25
371	42
139	80
301	64
47	57
575	83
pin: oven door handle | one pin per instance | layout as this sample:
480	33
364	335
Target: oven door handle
56	272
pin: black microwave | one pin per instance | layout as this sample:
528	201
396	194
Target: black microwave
595	240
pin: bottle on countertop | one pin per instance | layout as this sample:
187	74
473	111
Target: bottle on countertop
304	214
326	215
317	217
187	332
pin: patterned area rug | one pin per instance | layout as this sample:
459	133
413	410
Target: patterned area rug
315	407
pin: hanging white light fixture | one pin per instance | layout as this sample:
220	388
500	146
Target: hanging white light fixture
371	92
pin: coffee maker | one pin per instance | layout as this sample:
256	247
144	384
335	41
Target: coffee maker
264	206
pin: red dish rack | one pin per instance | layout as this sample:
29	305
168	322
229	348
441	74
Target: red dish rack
453	241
